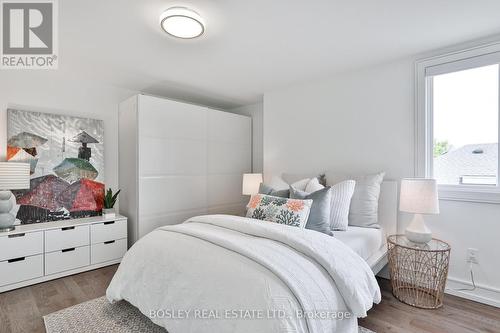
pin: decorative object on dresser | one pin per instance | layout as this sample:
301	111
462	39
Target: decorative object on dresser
109	203
251	183
419	196
179	160
66	157
13	176
40	252
418	272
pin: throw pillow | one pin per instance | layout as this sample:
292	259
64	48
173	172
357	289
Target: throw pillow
341	201
292	212
268	190
278	188
313	185
319	216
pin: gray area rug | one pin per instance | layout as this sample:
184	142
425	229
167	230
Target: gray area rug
99	316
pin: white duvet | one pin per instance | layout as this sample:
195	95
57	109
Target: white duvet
221	273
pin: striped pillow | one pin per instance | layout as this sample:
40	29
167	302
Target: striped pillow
341	200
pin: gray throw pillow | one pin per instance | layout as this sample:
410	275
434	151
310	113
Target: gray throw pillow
319	216
265	189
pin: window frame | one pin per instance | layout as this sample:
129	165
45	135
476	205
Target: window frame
468	58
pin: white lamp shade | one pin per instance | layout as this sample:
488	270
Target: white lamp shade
14	176
419	195
251	183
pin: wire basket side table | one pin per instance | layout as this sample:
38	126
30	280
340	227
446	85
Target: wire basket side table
418	272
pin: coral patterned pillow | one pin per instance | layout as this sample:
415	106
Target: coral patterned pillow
291	212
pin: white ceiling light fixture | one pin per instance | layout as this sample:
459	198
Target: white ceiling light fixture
182	22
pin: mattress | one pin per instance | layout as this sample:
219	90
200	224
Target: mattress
364	241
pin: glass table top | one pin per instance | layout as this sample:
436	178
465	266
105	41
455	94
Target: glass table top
433	245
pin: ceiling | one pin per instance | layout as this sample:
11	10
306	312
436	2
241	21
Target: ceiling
251	47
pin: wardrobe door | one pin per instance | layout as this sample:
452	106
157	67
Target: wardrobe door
229	157
127	134
172	162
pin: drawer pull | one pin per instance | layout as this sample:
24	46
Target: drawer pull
16	259
69	250
17	235
67	228
109	242
110	222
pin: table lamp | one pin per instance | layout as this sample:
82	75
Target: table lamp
13	176
419	196
251	183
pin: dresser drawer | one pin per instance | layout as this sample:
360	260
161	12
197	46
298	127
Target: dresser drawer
106	231
64	238
21	245
67	259
21	269
107	251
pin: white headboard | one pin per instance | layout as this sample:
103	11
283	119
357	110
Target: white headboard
388	206
387	202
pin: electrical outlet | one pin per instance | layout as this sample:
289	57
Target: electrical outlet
472	255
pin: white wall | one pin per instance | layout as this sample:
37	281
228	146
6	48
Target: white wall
256	111
57	92
363	121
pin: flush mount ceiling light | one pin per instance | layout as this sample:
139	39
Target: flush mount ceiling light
182	22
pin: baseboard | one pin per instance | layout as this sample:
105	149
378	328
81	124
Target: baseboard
482	294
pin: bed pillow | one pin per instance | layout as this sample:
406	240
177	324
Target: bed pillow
363	211
278	183
313	185
292	212
268	190
277	187
319	216
301	184
342	194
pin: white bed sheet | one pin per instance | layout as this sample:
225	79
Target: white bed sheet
364	241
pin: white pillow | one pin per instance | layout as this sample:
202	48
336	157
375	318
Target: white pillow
313	185
301	184
341	201
363	211
278	184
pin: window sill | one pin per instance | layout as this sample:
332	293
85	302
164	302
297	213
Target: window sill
469	194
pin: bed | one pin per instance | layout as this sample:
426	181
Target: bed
369	243
223	273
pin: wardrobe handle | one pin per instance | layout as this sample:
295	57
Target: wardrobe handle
109	242
16	259
110	222
17	235
67	228
68	250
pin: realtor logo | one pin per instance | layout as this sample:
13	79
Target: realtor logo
29	34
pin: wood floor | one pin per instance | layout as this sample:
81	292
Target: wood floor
21	310
456	316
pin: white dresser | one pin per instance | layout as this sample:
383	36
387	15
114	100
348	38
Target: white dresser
40	252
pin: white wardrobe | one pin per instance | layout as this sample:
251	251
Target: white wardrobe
179	160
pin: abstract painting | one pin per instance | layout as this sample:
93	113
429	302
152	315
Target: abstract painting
66	156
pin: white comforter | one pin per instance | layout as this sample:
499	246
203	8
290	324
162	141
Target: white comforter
221	273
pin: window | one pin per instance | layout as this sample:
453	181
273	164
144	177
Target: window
457	129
